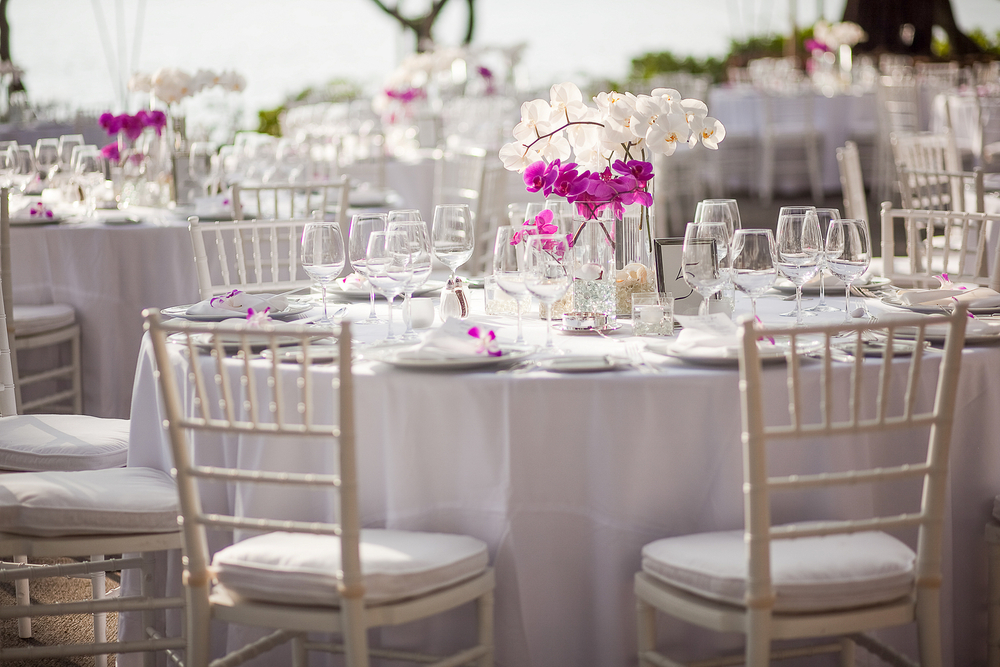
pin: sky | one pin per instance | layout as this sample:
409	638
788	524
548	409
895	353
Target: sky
69	48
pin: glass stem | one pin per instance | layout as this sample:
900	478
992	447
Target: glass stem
548	328
798	305
371	293
388	335
753	308
520	334
322	287
847	303
407	317
822	289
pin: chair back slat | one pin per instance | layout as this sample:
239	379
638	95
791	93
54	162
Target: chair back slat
288	201
237	384
828	415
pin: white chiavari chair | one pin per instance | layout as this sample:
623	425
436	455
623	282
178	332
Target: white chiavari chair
303	565
972	254
851	182
256	256
790	142
844	575
922	154
289	201
898	110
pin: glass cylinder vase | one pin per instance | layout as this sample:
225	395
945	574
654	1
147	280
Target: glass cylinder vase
634	255
594	261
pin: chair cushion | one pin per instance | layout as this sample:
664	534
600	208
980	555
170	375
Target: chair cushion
30	320
300	568
35	443
88	502
808	573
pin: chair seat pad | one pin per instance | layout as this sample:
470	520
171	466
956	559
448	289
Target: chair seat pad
808	573
300	568
88	502
30	320
36	443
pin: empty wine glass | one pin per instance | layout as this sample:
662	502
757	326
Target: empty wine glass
323	256
385	269
547	273
362	226
47	157
508	269
200	165
89	174
452	235
753	268
719	210
848	253
8	165
419	249
24	167
704	256
404	215
66	144
799	245
825	215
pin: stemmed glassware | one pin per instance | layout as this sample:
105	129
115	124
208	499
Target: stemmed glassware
825	215
67	143
753	268
547	273
200	165
848	253
508	269
452	235
24	167
800	245
719	210
323	256
404	215
89	174
419	249
387	269
362	226
705	259
47	157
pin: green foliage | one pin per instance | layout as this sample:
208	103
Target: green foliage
336	90
987	44
269	121
740	53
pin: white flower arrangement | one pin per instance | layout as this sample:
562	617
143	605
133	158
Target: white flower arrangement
170	84
834	35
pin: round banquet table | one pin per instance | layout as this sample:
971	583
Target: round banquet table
566	477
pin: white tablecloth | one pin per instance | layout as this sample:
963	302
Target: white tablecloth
838	118
108	273
566	477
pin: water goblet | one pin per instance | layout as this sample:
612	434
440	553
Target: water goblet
385	269
200	165
547	274
24	168
47	157
67	143
323	256
704	258
825	215
362	226
848	253
508	269
452	235
719	210
404	215
89	174
799	244
419	248
753	267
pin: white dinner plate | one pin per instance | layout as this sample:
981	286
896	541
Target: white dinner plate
573	330
412	357
294	307
831	283
29	222
293	354
935	310
937	334
728	356
354	294
232	342
582	364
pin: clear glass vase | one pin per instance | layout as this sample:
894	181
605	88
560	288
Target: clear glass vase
594	262
634	255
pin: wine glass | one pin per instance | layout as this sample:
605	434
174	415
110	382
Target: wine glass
323	256
799	245
404	215
200	165
67	143
47	157
452	235
419	249
8	165
24	167
384	268
547	274
89	174
362	226
704	256
753	268
719	210
508	269
825	215
848	253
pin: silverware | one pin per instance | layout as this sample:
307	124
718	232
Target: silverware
637	359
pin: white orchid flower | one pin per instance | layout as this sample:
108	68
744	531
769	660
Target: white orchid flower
517	157
666	133
618	106
566	103
694	108
671	94
590	157
534	120
582	137
555	147
618	132
140	83
647	110
709	130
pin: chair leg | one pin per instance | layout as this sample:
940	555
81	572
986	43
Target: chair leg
758	649
646	626
146	590
846	652
77	379
98	583
767	175
485	615
198	621
815	173
299	653
929	625
23	597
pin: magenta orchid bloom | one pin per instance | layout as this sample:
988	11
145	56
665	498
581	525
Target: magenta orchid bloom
223	297
110	152
256	319
487	342
541	176
542	224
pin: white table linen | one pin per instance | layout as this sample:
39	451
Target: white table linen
566	477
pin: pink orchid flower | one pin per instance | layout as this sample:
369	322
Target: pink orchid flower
487	342
258	319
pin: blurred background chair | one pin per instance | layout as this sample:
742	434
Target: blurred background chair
292	200
852	183
790	143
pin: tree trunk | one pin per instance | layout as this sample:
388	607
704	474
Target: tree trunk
4	33
471	25
883	21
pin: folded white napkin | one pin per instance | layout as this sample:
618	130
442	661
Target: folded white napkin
216	206
238	302
978	297
972	327
33	210
352	282
715	333
453	340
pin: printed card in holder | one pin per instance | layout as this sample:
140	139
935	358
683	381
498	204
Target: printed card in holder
670	278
